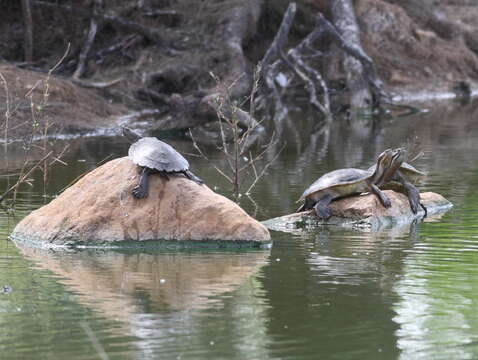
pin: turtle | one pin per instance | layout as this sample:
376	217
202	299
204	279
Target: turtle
404	180
345	182
155	156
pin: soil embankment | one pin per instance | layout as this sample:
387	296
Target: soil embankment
159	56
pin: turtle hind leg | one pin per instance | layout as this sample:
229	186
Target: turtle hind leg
193	177
141	190
322	209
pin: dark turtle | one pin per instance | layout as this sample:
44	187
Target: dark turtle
155	156
403	180
346	182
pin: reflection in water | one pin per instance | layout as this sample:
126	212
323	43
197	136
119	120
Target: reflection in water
438	307
151	295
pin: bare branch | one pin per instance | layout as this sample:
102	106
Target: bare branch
90	38
264	169
25	176
280	39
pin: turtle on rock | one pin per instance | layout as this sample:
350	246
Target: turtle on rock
346	182
155	156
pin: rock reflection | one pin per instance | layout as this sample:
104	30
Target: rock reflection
361	255
122	285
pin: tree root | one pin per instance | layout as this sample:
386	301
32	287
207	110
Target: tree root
151	34
90	38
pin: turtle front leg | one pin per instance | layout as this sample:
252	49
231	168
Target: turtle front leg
141	190
381	196
322	209
413	197
412	193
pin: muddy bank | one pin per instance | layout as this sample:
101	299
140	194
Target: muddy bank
159	56
35	104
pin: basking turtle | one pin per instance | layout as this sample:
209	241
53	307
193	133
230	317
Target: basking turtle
403	180
346	182
155	156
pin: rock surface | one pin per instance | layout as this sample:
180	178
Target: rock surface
100	210
364	212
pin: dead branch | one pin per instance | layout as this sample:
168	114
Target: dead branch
28	24
343	13
280	39
96	85
296	55
354	49
280	111
90	38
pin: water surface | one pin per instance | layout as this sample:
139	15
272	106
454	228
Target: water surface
405	293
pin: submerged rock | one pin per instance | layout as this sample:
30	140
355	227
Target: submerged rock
100	210
363	212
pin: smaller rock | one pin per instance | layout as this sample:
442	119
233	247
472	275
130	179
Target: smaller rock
363	212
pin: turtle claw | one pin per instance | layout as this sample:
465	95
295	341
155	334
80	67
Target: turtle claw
424	209
387	203
139	193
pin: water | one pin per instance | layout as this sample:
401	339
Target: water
405	293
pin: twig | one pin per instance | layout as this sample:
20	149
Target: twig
23	177
207	159
264	169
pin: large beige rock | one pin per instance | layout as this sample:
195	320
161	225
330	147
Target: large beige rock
364	212
99	209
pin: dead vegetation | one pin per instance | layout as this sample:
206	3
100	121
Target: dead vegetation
155	56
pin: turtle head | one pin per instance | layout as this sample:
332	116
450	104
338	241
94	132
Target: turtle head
130	134
398	157
383	163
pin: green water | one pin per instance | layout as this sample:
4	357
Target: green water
406	293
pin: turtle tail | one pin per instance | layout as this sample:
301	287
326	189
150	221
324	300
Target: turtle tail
307	205
193	177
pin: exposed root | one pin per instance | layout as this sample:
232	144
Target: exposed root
90	38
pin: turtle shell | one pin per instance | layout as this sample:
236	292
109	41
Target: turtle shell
340	181
155	154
